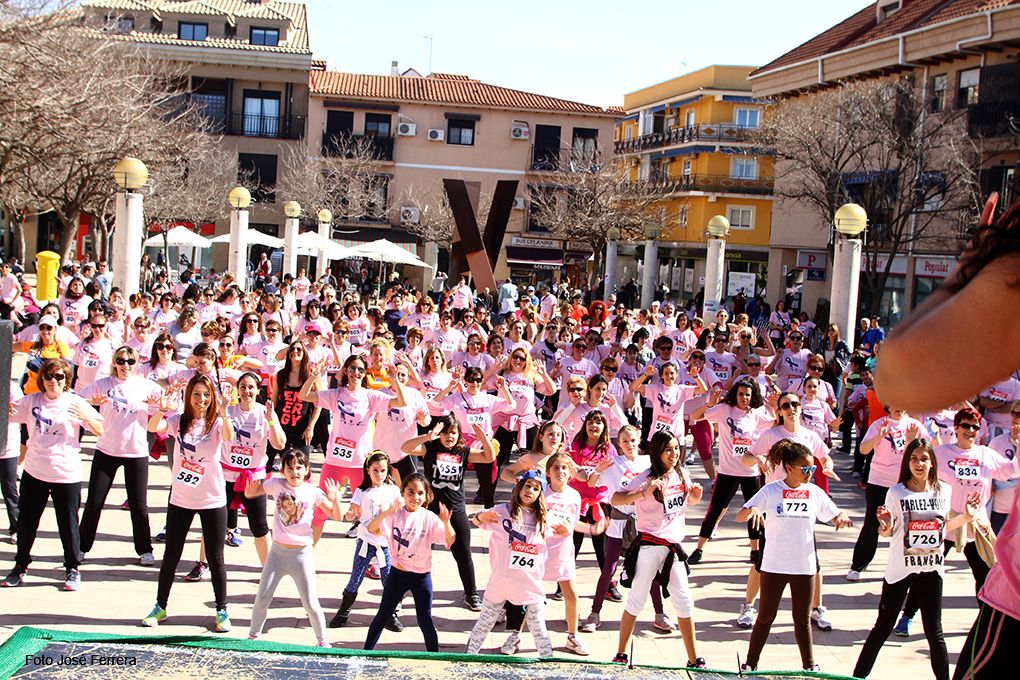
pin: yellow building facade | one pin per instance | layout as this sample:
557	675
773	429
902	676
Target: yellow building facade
690	139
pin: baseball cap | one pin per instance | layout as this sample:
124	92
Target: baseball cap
48	320
312	328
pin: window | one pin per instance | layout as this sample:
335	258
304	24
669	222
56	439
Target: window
689	118
211	96
265	36
120	23
967	94
887	10
685	167
261	113
584	148
939	89
258	170
682	216
740	218
461	132
535	223
744	168
629	132
377	189
190	31
750	118
377	125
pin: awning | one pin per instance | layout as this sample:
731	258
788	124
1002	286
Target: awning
684	102
741	100
534	258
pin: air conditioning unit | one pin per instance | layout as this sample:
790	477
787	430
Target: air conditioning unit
519	130
437	135
407	129
409	215
518	203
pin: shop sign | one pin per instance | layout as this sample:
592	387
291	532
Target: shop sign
811	259
534	242
899	265
933	267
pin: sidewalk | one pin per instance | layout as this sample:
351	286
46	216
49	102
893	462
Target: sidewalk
116	592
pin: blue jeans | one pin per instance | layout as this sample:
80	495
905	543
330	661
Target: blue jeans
394	589
363	554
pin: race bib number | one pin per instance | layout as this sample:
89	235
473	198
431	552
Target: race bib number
673	499
447	347
663	424
431	392
241	456
519	390
190	475
967	469
448	465
91	361
741	446
354	336
899	440
523	556
476	416
627	478
924	535
796	503
343	449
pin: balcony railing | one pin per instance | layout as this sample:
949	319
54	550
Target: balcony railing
704	132
714	184
566	159
248	125
380	146
994	119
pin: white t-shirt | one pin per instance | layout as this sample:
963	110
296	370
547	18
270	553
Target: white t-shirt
919	529
790	525
619	477
371	502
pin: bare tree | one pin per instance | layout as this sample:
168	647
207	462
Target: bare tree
878	144
426	213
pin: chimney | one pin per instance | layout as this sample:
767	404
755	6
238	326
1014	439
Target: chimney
394	71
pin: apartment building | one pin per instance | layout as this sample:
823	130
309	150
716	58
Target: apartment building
426	128
248	63
966	54
689	138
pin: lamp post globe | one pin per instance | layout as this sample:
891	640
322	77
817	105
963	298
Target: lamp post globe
325	216
292	209
718	227
130	173
850	220
239	198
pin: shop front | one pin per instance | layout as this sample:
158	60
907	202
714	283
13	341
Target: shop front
531	260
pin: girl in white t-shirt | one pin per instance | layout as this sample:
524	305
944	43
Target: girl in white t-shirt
375	493
292	551
915	517
788	556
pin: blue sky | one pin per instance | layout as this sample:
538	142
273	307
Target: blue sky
592	51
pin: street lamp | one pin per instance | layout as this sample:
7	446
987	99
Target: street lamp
292	209
651	271
325	226
612	236
850	220
717	229
239	199
130	174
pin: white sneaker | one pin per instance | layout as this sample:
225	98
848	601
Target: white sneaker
748	613
575	645
853	575
663	623
147	559
820	617
512	644
590	624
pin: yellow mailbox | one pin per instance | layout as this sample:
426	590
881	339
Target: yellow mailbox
47	268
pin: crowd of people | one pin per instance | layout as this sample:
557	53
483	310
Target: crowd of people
375	413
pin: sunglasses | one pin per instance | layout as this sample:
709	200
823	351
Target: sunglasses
970	427
576	389
166	347
789	405
796	338
719	340
816	368
54	376
697	357
46	328
518	357
472	381
808	469
297	350
610	369
98	327
120	361
272	330
754	365
474	343
357	370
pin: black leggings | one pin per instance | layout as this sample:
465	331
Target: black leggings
867	540
928	587
977	567
802	588
406	466
506	440
66	500
461	547
598	543
396	586
9	489
989	653
136	482
255	509
178	523
724	491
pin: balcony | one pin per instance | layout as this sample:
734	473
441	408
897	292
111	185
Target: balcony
381	146
567	159
712	184
276	127
705	132
994	119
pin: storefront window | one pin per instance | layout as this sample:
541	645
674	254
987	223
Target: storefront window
893	304
923	287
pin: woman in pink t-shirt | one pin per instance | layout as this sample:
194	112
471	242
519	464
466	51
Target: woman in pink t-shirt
591	447
52	465
197	487
352	408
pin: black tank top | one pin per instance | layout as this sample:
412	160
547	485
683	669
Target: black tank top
293	412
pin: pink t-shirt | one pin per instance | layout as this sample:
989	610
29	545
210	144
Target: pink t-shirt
665	519
53	453
248	449
571	418
816	415
888	453
523	414
587	458
426	322
464	360
517	557
1002	588
562	507
803	436
972	470
395	426
13	448
684	342
738	431
431	385
570	368
450	340
93	359
474	410
125	414
411	535
668	407
350	435
197	476
791	367
266	353
294	510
